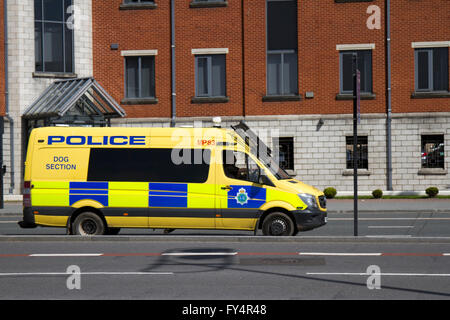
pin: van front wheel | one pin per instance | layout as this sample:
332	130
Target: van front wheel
278	224
88	224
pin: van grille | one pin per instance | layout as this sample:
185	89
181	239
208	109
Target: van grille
323	201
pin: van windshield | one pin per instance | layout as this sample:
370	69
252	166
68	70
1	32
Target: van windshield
260	150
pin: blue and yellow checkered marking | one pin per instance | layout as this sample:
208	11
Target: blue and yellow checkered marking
246	197
97	191
167	195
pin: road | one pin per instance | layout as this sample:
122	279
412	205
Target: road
403	252
171	269
402	223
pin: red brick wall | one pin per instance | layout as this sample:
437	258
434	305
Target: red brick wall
415	21
321	25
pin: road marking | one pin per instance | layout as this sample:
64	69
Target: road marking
385	219
391	236
339	254
389	227
156	254
199	253
378	274
66	254
8	221
11	274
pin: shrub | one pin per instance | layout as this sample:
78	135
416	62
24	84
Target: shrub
377	194
432	191
330	192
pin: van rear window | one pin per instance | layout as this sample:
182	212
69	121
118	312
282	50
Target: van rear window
148	165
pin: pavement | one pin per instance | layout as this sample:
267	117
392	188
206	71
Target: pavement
334	206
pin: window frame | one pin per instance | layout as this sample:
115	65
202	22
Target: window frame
430	52
341	71
283	91
63	22
349	162
152	79
210	75
434	139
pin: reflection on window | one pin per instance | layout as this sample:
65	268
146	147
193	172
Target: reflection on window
432	151
361	153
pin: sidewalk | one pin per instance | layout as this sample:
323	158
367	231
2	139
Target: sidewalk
390	205
334	206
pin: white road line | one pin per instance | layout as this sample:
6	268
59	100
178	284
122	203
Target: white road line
378	274
199	253
390	236
11	274
66	254
389	227
339	254
385	219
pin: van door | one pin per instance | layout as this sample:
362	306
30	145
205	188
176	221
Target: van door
239	194
182	194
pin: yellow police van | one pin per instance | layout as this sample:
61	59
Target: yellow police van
94	181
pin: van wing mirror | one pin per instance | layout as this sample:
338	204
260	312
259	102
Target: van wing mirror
263	179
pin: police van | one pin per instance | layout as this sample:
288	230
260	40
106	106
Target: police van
95	181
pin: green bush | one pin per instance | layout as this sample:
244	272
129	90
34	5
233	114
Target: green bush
377	194
330	192
432	191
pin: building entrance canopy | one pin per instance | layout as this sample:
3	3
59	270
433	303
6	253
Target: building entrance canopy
80	101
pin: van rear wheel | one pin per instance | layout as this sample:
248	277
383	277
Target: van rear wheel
278	224
88	224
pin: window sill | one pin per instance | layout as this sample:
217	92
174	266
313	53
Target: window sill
135	101
364	96
137	6
430	95
432	171
361	172
212	4
210	99
281	98
59	75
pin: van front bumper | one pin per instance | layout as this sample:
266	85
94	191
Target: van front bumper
28	219
309	219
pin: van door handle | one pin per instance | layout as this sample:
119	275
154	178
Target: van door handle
226	188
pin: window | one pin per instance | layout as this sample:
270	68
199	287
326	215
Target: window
282	45
433	151
53	36
210	80
361	152
364	64
140	77
284	147
431	69
146	165
238	165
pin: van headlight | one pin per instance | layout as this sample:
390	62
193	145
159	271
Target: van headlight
308	199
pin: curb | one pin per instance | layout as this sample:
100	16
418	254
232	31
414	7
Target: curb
209	238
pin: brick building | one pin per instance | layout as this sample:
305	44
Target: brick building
285	65
280	65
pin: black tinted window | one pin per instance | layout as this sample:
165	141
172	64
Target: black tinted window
148	165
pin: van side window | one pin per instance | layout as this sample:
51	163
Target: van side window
148	165
238	165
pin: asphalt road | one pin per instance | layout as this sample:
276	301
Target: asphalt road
193	269
402	223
